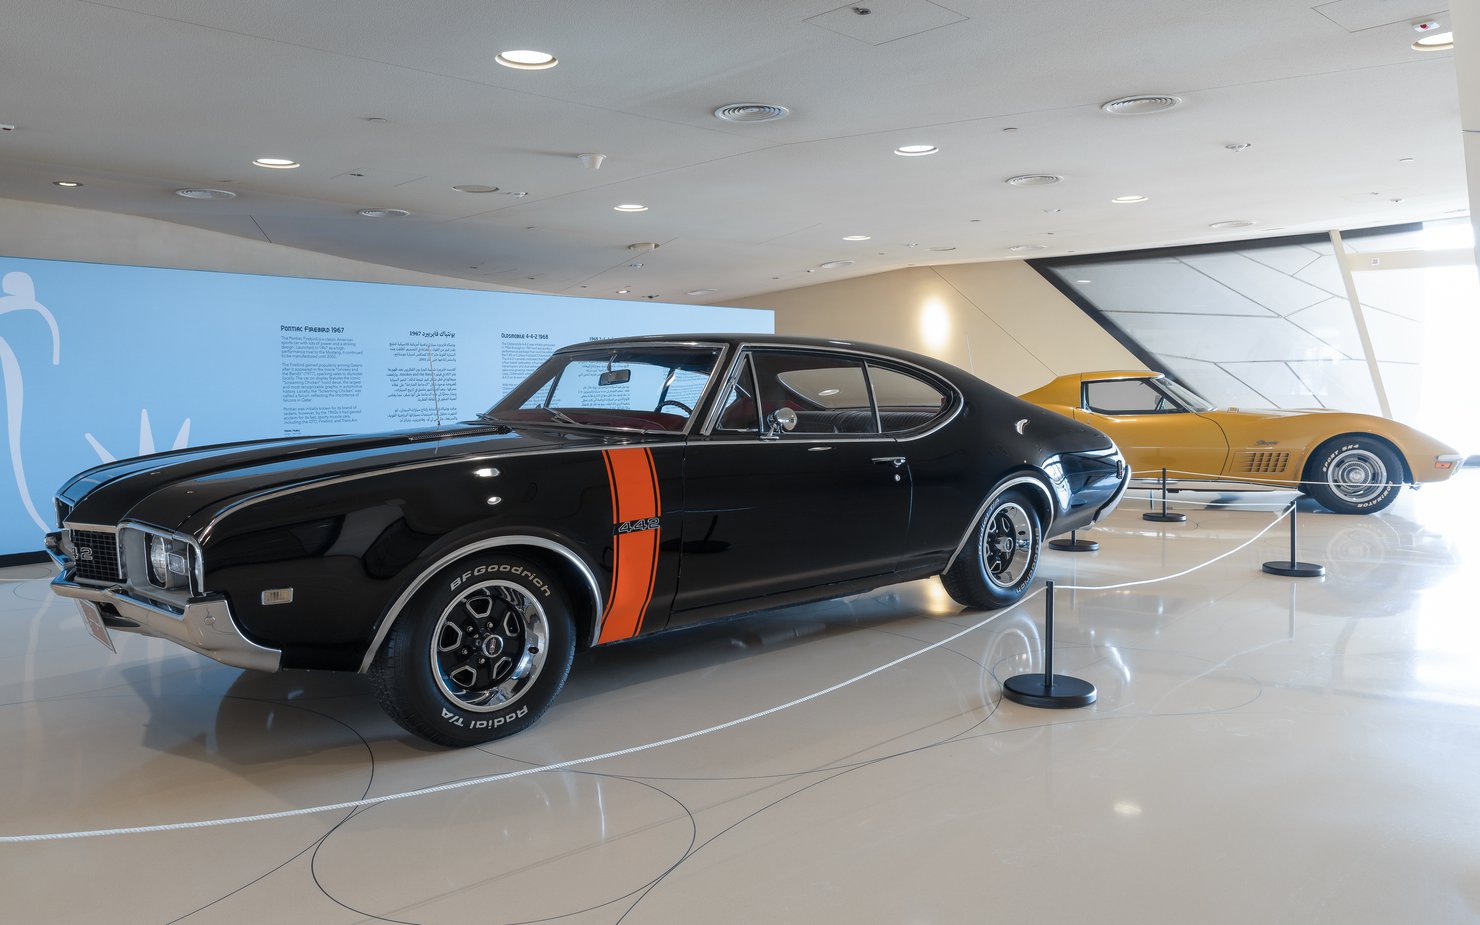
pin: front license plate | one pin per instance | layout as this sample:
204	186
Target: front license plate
94	621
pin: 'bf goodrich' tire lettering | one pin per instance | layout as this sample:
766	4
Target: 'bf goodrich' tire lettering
480	652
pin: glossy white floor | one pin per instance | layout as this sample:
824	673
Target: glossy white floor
1263	750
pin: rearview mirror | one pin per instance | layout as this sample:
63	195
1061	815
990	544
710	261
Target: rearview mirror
615	376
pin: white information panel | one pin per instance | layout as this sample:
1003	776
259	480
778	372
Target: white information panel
103	362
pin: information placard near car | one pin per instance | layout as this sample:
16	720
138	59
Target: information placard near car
104	362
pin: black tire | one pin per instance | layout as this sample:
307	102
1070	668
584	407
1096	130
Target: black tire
998	562
1353	475
478	654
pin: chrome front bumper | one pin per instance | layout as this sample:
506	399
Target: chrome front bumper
205	625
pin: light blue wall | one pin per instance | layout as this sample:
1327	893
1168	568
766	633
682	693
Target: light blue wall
102	361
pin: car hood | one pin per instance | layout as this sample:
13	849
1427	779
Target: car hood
167	488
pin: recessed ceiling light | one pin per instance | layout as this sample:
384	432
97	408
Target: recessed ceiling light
383	213
475	188
68	184
1442	41
942	248
276	163
857	237
630	207
623	291
205	193
751	112
1035	179
702	291
1141	105
915	150
1084	281
524	59
1237	223
1019	248
1124	199
835	264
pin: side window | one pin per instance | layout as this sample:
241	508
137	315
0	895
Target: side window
828	393
739	414
1125	396
905	401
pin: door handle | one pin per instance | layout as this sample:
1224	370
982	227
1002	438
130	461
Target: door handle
895	461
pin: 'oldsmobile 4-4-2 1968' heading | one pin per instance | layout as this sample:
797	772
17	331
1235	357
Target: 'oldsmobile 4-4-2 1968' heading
626	488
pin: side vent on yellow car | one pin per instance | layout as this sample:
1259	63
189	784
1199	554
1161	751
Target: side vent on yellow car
1261	462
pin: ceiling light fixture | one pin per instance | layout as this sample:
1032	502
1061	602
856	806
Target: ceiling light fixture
524	59
1236	223
915	150
276	163
66	184
1019	248
191	193
751	112
1034	179
835	265
630	207
1141	105
702	291
1443	41
942	248
857	237
475	188
623	291
1125	199
383	213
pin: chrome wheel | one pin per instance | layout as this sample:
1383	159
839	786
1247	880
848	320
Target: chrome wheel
1007	545
1357	475
489	645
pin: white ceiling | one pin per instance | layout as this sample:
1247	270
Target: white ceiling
135	98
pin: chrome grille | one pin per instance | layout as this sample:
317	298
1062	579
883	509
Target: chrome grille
1261	462
96	555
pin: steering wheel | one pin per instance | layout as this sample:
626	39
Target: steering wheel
668	401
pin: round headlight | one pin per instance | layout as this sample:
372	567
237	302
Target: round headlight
159	561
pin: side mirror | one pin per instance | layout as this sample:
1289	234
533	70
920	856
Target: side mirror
779	420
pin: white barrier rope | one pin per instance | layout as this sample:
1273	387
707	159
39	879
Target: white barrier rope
620	753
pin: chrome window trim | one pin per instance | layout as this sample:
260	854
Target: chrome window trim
844	348
996	492
688	426
394	613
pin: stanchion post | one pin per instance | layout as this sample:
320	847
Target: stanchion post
1174	517
1073	544
1294	569
1048	690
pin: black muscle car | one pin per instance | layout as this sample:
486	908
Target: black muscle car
626	488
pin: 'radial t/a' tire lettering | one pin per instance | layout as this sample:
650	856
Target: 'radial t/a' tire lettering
480	652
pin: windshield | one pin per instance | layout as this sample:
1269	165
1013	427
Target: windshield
641	387
1186	396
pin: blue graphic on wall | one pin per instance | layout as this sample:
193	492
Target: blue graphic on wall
159	359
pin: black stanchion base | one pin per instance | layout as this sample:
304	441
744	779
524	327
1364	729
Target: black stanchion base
1075	545
1170	517
1066	692
1295	569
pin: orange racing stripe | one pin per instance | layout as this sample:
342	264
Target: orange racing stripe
634	485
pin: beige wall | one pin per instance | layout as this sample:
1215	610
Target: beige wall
32	229
1000	320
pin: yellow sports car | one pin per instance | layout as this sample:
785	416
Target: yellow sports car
1350	463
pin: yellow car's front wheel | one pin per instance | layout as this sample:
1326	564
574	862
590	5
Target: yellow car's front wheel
1354	475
